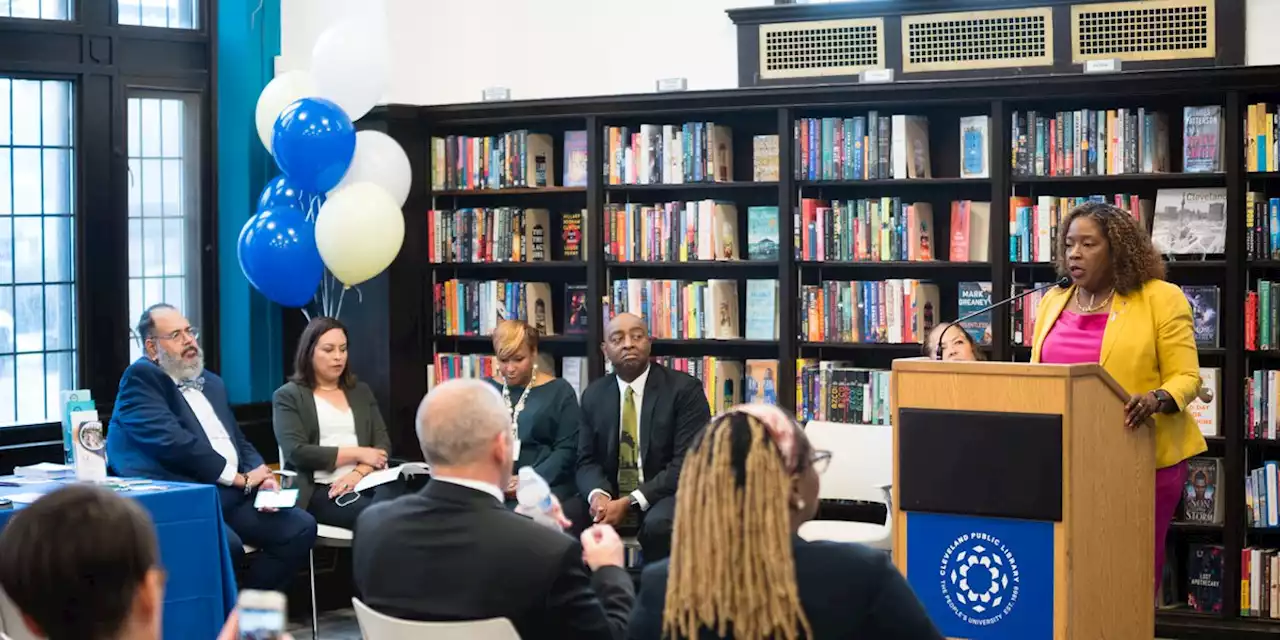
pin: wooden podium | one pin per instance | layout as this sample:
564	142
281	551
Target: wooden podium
1023	508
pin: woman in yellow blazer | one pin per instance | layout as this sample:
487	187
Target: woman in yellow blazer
1119	312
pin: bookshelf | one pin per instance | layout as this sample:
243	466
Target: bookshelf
774	110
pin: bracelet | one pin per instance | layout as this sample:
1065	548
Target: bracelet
362	473
247	487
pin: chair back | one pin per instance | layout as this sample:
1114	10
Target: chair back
377	626
861	459
11	624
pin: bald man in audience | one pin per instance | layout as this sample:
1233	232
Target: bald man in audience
454	552
637	424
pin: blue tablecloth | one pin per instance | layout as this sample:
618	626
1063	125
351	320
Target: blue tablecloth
201	588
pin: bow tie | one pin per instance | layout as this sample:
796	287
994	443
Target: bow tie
194	384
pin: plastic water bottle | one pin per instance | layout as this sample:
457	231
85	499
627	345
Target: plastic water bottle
534	495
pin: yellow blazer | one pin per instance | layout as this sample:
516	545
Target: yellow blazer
1149	344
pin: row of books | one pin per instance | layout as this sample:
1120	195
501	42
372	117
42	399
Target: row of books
1262	227
870	147
886	311
1259	583
1262	405
669	154
448	366
475	307
1261	309
723	380
687	231
503	234
693	310
1089	142
1033	223
868	229
836	391
513	159
1260	150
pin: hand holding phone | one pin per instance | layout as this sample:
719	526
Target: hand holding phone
281	499
260	616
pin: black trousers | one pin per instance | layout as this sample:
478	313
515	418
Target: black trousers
327	510
656	526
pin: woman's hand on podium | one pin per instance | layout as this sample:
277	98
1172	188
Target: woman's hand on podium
1139	408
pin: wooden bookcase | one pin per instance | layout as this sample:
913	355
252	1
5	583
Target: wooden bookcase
411	342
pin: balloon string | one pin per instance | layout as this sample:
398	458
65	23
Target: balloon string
305	314
342	294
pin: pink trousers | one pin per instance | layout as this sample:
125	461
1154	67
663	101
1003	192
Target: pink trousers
1169	483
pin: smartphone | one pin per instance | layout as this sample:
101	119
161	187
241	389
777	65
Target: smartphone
282	499
262	615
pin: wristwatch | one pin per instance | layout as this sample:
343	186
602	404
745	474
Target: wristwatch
248	489
633	500
1167	405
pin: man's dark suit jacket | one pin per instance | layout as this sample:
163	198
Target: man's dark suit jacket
846	591
454	553
673	412
154	434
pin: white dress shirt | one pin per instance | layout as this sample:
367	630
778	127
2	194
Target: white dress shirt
637	390
491	489
219	439
337	429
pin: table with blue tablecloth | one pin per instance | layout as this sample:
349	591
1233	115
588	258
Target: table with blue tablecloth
200	591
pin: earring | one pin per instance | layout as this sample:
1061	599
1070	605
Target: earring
799	503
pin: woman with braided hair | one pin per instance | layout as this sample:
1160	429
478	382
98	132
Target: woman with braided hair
737	568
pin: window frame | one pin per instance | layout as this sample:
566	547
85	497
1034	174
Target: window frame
104	61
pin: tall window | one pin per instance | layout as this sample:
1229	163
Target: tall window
164	229
37	269
37	9
170	14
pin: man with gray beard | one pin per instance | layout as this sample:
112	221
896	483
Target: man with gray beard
173	422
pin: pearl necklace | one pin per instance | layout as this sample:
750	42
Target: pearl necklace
1091	307
519	408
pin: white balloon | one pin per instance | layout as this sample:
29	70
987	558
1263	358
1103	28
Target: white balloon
351	65
359	232
282	91
379	159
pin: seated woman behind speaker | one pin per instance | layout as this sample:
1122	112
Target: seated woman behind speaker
753	470
544	412
1119	312
330	429
957	344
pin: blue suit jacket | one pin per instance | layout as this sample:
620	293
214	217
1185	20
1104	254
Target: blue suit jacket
154	434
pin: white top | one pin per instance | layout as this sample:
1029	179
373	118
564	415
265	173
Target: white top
219	439
637	390
337	429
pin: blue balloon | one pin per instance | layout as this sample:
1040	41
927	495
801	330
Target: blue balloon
278	255
283	192
313	143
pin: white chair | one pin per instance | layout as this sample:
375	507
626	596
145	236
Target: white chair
377	626
861	469
11	624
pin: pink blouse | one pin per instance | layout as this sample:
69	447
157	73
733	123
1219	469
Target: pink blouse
1074	339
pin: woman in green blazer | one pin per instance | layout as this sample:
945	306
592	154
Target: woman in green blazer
330	429
545	413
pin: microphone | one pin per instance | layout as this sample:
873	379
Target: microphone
1061	283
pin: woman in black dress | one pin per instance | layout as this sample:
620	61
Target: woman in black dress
545	415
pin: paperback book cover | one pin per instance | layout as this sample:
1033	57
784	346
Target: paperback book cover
1204	578
1204	313
1205	408
974	296
1190	221
762	233
762	382
575	309
1201	497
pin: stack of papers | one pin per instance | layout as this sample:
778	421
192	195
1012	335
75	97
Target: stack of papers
43	470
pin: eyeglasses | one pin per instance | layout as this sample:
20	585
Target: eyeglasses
190	332
820	460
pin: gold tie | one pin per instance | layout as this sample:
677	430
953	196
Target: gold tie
629	446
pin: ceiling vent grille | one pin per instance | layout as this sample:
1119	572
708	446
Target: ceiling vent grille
1147	30
821	48
977	40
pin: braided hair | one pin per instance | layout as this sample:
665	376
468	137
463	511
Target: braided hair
731	562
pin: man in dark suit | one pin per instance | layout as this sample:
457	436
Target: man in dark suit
172	421
637	424
454	552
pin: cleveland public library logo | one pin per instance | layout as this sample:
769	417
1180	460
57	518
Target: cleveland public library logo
980	579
